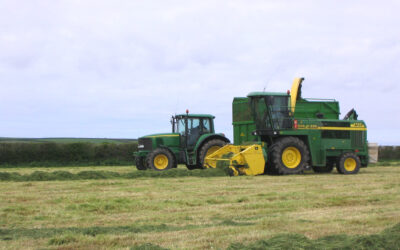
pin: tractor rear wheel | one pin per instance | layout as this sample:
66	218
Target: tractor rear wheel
160	159
140	163
348	163
209	148
289	155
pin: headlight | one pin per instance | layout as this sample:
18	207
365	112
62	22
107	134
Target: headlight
141	146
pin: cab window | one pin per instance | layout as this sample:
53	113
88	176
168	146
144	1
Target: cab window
206	126
180	126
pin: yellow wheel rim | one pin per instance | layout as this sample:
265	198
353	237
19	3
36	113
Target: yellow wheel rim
212	150
350	164
161	161
291	157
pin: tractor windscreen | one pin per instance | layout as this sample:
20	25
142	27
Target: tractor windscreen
271	112
179	126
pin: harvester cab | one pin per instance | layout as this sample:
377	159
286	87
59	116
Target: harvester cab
191	140
282	133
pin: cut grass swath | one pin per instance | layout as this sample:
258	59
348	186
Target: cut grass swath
101	175
388	239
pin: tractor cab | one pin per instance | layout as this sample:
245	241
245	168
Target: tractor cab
191	127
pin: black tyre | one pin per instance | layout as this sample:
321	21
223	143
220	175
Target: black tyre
269	166
325	169
209	148
348	163
140	163
160	159
288	155
191	167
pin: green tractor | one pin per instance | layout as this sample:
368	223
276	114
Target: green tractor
192	139
283	133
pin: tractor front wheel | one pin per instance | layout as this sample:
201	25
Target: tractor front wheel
348	163
160	159
140	163
208	148
289	155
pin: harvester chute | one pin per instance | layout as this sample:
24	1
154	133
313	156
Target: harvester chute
295	93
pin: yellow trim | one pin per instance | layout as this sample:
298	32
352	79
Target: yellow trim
242	160
291	157
212	150
293	93
350	164
357	125
161	161
152	136
332	128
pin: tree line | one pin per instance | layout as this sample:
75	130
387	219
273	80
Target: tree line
388	153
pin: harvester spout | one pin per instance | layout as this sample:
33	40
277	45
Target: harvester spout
295	93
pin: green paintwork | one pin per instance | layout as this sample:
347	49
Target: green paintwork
309	108
321	129
243	122
162	135
168	140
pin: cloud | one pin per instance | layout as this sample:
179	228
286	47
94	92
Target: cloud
121	68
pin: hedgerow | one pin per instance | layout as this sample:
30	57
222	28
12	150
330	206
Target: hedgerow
62	154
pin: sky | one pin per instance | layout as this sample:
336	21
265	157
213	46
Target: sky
121	69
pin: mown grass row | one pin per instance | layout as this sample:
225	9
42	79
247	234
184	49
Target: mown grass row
11	234
101	175
59	175
387	239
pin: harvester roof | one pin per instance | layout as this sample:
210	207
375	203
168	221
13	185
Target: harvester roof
253	94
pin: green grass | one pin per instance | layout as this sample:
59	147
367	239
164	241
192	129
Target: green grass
102	175
66	140
387	239
386	163
310	211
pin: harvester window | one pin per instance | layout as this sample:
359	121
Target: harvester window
260	112
279	106
271	112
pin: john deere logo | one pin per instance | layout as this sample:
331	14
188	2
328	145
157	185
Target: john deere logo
242	134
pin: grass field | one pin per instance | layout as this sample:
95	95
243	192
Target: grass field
198	212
